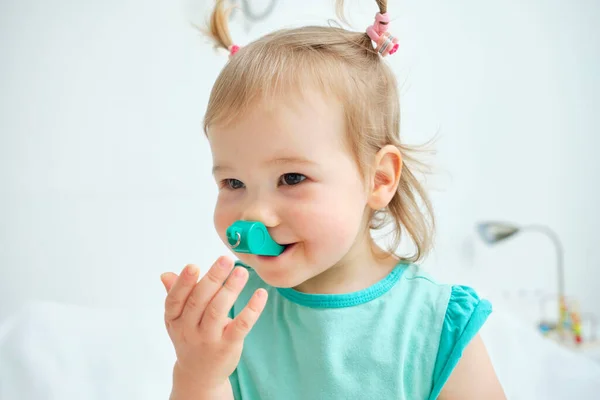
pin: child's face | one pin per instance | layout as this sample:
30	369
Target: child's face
289	167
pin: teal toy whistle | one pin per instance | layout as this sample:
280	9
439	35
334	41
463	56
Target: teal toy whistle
252	237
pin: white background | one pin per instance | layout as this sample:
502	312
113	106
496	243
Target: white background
105	173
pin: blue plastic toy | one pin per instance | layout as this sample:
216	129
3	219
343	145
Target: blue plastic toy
252	237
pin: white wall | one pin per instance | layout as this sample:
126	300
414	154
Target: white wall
105	173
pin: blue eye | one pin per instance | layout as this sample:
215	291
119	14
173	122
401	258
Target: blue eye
291	179
233	184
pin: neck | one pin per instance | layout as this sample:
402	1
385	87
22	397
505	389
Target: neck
364	265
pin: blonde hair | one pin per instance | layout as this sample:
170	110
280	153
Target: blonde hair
337	62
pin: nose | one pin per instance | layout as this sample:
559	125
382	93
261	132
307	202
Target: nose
259	209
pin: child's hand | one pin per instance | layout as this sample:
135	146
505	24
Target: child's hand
207	342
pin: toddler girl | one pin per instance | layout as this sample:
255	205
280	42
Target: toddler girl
303	126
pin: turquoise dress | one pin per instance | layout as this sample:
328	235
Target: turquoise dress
398	339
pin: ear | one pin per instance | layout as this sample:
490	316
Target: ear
387	169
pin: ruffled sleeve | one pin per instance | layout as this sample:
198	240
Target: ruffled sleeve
465	315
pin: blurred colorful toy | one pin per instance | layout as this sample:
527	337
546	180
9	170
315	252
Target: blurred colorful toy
568	327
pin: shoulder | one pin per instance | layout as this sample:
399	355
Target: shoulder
423	292
463	315
459	313
458	304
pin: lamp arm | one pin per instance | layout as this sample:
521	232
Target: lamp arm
559	253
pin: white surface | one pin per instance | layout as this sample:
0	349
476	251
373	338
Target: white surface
532	367
62	352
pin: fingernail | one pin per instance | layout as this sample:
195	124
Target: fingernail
238	273
191	270
260	293
162	280
223	262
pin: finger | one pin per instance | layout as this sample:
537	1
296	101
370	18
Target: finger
205	290
245	320
217	312
179	292
168	279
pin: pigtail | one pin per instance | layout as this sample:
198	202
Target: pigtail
385	43
382	4
219	26
339	8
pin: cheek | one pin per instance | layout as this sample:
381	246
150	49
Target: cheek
222	219
332	220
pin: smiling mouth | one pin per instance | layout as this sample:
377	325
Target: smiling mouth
287	248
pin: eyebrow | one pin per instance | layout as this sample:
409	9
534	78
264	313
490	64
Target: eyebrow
220	168
290	160
276	161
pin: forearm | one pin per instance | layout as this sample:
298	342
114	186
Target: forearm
186	387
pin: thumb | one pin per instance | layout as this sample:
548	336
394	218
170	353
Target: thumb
168	279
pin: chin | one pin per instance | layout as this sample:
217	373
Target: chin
282	282
285	277
284	271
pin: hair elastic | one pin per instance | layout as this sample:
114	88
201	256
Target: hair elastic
386	43
233	49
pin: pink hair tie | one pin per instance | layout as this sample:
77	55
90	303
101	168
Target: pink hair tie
386	43
233	49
